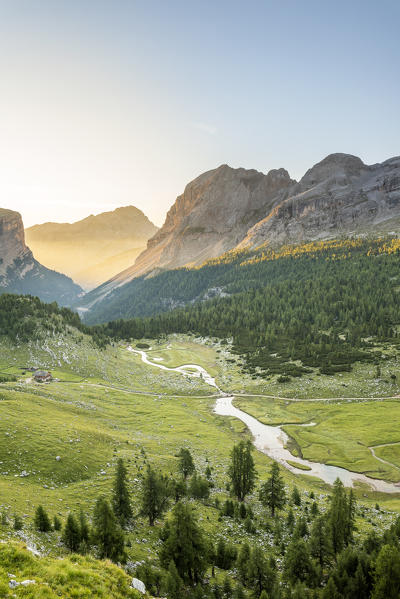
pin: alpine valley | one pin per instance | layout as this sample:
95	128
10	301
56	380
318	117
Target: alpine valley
219	419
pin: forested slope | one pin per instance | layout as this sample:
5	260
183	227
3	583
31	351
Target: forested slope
319	304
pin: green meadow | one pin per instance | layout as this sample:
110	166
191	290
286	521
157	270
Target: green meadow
61	440
343	433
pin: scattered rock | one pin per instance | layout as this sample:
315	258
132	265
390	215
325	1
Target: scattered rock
13	584
138	585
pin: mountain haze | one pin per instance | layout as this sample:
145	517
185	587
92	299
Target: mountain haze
93	249
21	273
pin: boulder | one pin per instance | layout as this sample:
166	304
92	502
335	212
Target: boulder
138	585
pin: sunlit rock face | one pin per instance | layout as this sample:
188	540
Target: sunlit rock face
212	216
21	273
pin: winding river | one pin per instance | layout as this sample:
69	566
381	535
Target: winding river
272	440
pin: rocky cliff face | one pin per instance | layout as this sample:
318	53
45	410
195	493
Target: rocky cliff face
338	196
12	240
21	273
210	217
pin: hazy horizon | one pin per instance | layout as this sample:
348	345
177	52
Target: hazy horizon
105	105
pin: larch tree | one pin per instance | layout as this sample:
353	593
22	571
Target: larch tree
242	472
185	545
186	464
155	495
107	534
121	501
272	493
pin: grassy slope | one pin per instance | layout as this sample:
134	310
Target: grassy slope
71	577
89	423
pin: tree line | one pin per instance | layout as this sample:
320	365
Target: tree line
315	551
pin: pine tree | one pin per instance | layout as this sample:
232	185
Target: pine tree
296	499
179	489
359	585
155	495
174	582
350	518
338	516
387	574
18	523
42	521
57	523
71	536
121	502
272	493
319	541
242	471
107	534
186	464
242	563
261	575
199	487
330	591
298	565
84	527
301	528
185	545
290	520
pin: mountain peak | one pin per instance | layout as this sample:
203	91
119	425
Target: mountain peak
338	165
211	216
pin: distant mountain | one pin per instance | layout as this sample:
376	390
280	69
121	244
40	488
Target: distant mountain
94	249
227	208
21	273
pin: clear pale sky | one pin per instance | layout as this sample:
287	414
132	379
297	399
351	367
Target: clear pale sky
109	103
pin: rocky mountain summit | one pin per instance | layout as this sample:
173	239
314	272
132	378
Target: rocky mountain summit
21	273
338	196
211	217
94	249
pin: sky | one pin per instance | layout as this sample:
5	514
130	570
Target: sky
110	103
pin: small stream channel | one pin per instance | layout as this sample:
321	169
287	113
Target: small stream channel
272	440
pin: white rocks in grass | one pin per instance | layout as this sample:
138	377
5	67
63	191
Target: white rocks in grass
58	458
138	585
13	584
